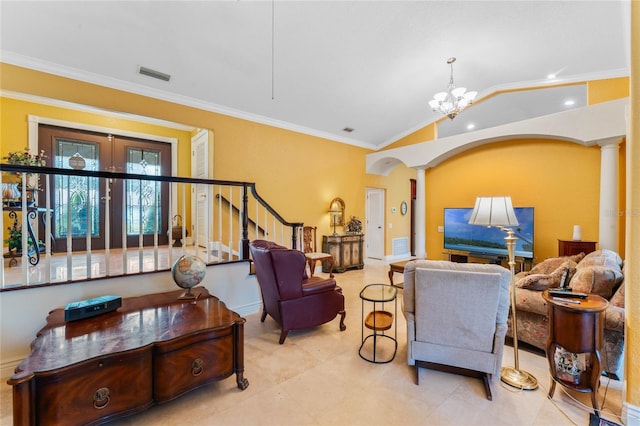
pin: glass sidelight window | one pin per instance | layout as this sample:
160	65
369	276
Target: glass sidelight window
77	192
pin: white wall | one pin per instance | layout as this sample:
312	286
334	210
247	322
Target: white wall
23	312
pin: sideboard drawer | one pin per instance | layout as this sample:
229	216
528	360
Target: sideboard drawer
191	366
96	389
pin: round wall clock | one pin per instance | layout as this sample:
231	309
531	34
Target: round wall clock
403	208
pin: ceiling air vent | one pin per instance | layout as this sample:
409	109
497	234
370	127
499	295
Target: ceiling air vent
153	73
348	129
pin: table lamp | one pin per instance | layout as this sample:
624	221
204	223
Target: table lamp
498	212
334	219
336	212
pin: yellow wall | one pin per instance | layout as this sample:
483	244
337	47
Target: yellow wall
427	133
559	179
296	173
607	90
300	174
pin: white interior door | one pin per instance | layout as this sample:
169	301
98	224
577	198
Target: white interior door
374	234
200	193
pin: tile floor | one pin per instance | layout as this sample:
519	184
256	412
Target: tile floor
317	378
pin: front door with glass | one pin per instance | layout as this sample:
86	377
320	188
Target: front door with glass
135	215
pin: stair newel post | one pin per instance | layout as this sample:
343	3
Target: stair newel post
245	223
294	235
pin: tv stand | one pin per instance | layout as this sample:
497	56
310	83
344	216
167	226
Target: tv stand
522	263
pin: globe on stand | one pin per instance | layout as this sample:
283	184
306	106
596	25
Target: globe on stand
188	271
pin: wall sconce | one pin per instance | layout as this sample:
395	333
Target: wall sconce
336	213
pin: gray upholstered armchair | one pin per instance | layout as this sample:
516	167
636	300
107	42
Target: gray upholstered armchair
456	317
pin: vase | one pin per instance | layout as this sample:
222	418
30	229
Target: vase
10	192
33	181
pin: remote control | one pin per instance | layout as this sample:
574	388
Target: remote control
564	281
570	294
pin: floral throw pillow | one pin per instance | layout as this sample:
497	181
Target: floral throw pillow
539	282
598	280
603	257
551	264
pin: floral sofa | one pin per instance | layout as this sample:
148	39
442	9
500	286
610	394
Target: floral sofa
600	272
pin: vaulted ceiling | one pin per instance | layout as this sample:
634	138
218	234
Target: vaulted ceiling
321	66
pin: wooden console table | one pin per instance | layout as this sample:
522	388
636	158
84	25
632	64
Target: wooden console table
347	251
151	350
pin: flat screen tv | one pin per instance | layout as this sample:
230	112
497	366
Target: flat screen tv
459	235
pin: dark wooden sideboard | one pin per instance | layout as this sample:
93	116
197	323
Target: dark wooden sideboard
571	247
151	350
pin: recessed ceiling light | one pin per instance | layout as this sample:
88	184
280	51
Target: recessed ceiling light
347	129
471	126
569	102
551	76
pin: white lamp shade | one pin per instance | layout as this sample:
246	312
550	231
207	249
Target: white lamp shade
470	96
493	211
458	91
440	96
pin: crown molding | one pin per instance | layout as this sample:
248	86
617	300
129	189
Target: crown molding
93	110
16	59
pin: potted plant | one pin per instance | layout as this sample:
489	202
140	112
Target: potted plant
14	240
354	226
26	158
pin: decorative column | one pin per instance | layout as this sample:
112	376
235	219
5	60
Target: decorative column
608	232
631	391
420	216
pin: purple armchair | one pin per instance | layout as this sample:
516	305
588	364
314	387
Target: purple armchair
292	299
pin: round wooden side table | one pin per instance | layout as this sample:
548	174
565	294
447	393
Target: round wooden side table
576	328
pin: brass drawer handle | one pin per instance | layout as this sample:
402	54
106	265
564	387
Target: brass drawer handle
101	398
197	366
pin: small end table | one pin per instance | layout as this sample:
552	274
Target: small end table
576	328
399	268
378	320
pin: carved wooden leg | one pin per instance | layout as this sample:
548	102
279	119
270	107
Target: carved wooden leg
283	335
312	267
241	381
238	343
594	401
343	314
552	388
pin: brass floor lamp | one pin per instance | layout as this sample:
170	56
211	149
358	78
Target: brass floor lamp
498	212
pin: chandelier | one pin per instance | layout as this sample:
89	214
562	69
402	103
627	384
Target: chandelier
454	100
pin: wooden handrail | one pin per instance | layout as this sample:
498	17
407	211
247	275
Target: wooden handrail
241	212
294	225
